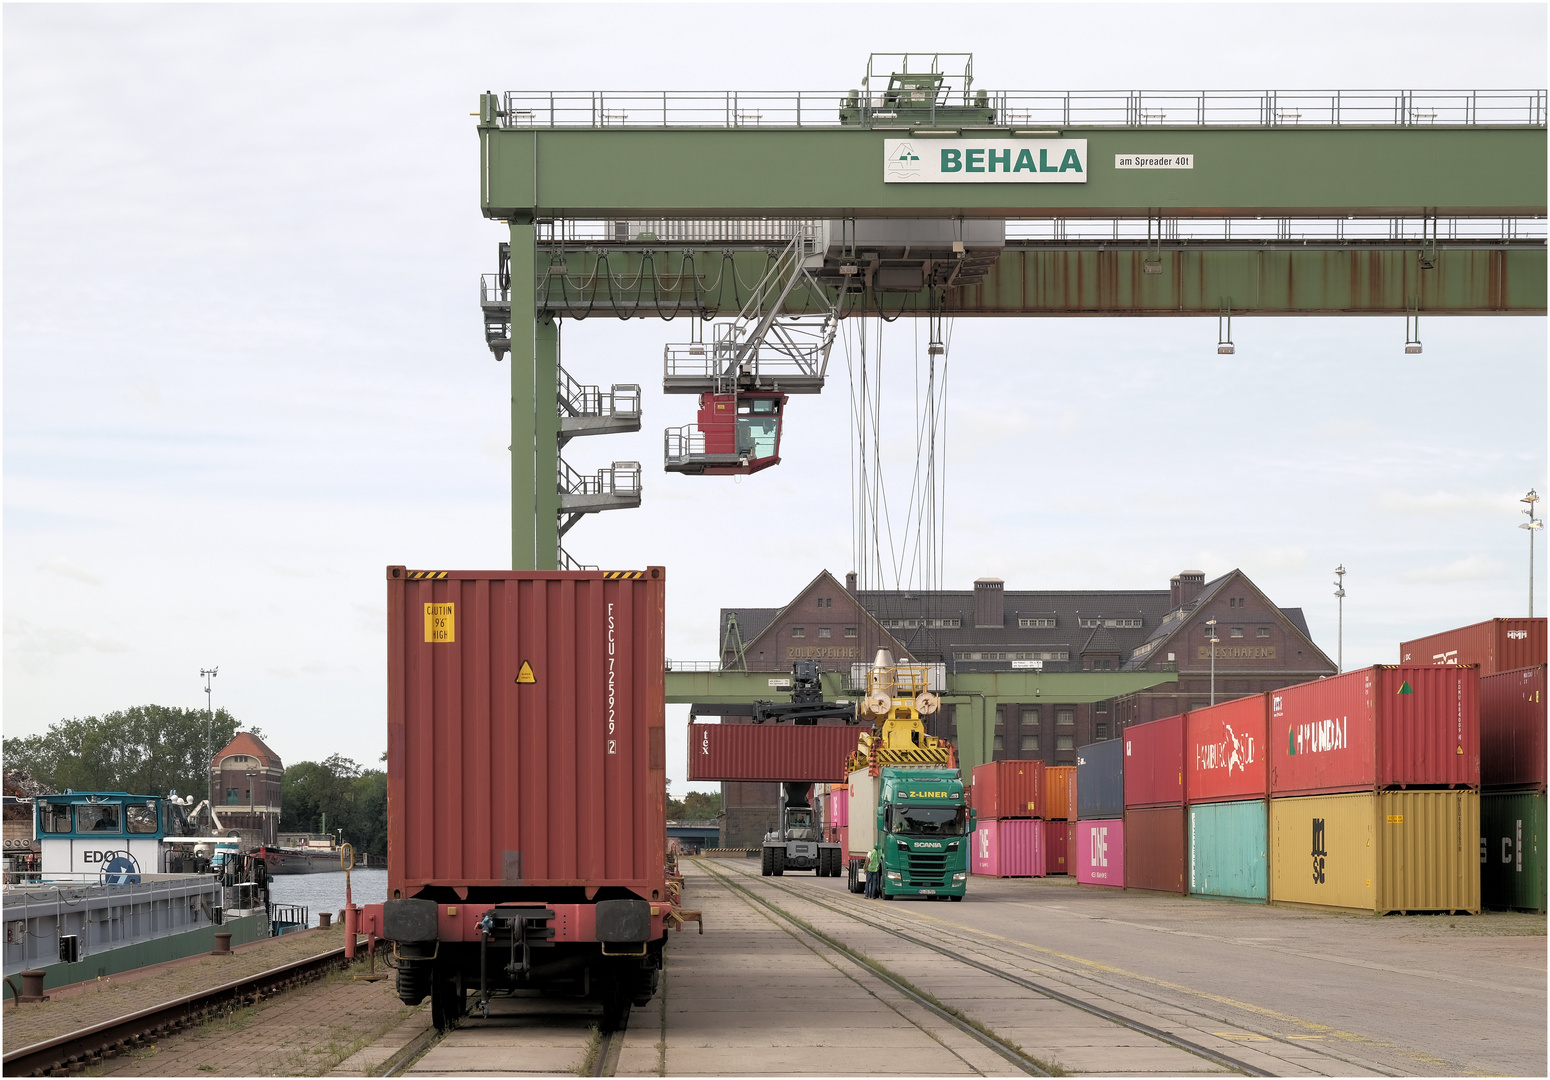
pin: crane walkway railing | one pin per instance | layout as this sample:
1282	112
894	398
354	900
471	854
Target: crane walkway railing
1031	108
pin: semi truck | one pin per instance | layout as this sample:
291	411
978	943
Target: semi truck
796	842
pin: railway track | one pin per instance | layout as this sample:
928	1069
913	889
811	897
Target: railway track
956	944
73	1051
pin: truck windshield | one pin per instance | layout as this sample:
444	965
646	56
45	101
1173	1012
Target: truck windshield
799	824
930	820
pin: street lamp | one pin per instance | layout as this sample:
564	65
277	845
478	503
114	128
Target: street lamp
1532	524
1340	620
1211	629
207	674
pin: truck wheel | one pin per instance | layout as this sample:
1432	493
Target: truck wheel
778	862
956	899
856	884
767	867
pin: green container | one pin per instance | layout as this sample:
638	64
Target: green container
1228	850
1512	850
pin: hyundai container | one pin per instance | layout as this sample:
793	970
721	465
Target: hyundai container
1494	645
1059	793
526	780
1009	789
1380	851
1224	750
770	751
1059	847
1100	852
1512	729
1229	850
1374	728
1512	850
1010	847
1154	848
1154	763
1100	780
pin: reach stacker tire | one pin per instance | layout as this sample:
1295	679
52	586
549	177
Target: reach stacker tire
777	861
767	865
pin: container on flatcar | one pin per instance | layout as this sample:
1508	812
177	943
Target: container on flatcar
1512	729
1100	852
1494	645
1229	850
1224	750
1512	850
526	785
1154	848
1059	793
1377	727
1100	780
1008	847
1154	763
783	752
1008	789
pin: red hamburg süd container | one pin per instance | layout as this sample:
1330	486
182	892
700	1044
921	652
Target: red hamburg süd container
1059	847
1059	792
1495	645
1378	727
526	730
1154	763
1011	847
1154	848
770	752
1512	729
1008	789
1100	852
1224	750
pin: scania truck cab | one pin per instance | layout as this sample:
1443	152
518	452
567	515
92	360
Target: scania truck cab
922	820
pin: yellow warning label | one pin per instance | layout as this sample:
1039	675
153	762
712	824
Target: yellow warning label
438	623
1396	819
526	674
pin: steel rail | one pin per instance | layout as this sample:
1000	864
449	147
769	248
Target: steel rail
121	1033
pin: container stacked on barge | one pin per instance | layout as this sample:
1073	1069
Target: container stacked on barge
1154	805
1008	798
1227	785
1060	819
1100	809
1374	785
526	787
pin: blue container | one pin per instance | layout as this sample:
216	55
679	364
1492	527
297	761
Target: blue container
1100	780
1228	850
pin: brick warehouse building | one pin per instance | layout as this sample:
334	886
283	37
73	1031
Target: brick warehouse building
245	780
1260	647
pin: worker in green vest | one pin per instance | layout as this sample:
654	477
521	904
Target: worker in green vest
874	877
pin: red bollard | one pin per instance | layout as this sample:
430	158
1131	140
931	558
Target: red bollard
351	916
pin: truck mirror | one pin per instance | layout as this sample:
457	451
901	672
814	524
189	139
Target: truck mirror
974	816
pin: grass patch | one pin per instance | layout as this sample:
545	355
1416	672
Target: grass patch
593	1048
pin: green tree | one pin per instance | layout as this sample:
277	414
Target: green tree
338	793
144	750
695	806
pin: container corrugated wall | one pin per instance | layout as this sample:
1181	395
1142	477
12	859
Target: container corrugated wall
1154	763
1154	848
1375	728
1059	847
1011	847
1100	780
1008	789
1225	751
1229	850
1512	729
1494	645
1378	851
776	752
526	730
1059	792
1100	852
1512	850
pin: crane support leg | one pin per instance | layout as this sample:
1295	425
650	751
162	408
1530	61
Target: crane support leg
535	424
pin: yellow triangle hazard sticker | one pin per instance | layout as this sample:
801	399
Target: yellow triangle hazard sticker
526	674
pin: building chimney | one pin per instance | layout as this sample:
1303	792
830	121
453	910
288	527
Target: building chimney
989	602
1186	586
850	583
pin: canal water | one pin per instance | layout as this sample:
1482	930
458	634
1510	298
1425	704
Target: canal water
325	892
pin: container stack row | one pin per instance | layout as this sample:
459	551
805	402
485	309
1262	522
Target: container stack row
1009	836
1100	813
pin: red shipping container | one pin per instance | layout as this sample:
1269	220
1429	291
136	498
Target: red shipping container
1011	847
1512	729
1059	792
1154	763
1059	847
526	730
839	805
1224	750
1374	728
1154	848
1100	852
1008	789
770	752
1496	645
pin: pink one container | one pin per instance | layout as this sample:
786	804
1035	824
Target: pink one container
1010	847
1100	852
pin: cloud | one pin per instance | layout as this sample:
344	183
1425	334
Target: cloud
1471	568
68	569
1447	504
51	641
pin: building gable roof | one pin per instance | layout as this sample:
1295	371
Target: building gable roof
849	602
1176	626
245	742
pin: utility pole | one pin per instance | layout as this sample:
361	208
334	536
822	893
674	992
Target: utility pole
1532	525
1211	628
207	674
1340	619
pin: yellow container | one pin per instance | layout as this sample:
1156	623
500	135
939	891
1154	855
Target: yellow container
1378	851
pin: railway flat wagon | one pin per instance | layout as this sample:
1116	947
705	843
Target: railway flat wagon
526	787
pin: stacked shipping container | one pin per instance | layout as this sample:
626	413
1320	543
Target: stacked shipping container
1154	805
1100	807
1512	781
1008	797
1059	818
1227	784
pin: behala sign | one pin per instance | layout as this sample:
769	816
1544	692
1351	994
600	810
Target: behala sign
985	161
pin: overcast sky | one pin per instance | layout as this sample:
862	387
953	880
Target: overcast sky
245	371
